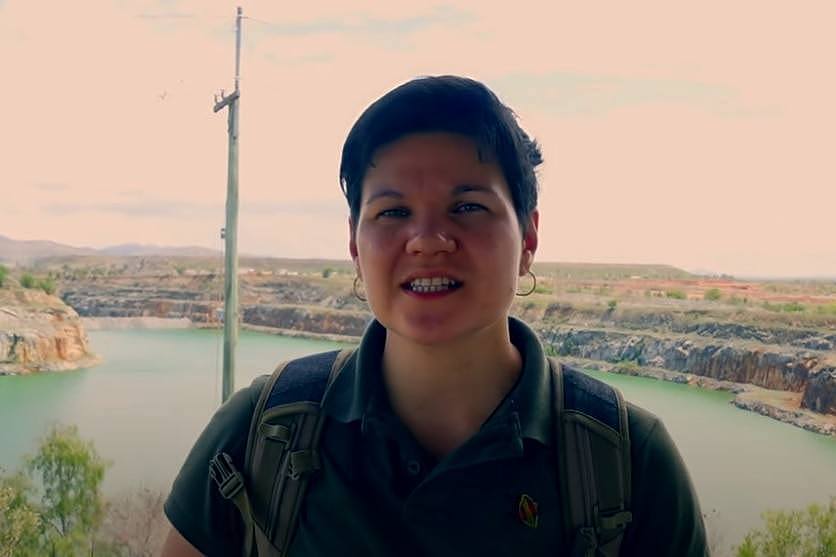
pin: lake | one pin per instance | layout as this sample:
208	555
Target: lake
156	389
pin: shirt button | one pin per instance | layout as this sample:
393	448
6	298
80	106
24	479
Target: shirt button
413	467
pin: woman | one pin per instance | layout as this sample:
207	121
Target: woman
439	431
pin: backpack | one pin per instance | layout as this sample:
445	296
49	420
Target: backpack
591	435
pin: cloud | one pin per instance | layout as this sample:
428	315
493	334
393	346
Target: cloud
184	210
165	209
166	15
51	187
573	93
368	26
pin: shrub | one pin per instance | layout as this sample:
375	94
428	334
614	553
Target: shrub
793	307
4	272
675	294
627	367
612	304
713	294
47	285
327	272
827	309
807	533
27	281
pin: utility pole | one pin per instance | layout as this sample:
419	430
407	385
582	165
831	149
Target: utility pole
230	232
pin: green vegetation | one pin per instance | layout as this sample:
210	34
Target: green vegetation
789	307
712	294
27	280
827	309
19	521
807	533
611	305
66	514
676	294
71	505
47	285
4	272
627	367
327	272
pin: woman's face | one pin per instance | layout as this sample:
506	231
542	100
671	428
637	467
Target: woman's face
437	241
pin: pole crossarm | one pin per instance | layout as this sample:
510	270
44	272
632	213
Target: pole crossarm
226	100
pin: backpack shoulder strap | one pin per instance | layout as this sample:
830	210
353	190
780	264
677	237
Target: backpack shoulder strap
593	445
282	451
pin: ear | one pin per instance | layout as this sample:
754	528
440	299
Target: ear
352	243
529	242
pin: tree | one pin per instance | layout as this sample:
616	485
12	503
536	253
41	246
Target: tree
69	472
808	533
19	521
4	272
712	294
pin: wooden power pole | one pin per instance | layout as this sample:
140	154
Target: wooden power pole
231	230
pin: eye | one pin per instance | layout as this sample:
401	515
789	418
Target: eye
468	208
395	212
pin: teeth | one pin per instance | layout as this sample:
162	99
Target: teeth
434	284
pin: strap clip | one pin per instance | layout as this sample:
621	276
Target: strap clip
224	473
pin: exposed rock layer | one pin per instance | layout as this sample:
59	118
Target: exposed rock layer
771	369
790	359
38	332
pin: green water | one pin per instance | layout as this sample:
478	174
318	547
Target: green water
145	405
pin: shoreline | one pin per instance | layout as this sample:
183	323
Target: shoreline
783	406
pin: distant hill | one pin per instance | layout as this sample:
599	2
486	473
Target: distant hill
26	251
165	251
610	271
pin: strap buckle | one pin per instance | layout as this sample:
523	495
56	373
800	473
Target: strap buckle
225	475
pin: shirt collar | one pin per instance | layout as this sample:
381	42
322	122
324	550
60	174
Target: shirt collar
359	386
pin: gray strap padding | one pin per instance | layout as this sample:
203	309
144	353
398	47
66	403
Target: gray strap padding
594	472
300	458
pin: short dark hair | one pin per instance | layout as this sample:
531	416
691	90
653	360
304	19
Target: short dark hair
444	104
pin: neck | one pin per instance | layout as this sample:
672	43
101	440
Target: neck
444	393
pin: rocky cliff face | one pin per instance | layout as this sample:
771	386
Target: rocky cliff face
38	332
762	366
312	320
820	394
773	357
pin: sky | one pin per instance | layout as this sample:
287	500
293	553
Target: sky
699	135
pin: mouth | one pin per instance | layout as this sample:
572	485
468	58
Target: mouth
431	285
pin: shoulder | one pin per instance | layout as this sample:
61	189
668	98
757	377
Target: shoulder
666	515
195	507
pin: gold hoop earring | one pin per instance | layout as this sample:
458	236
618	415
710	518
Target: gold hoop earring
533	286
356	292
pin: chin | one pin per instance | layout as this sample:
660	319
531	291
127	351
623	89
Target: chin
431	330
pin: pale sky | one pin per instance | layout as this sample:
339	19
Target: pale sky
698	135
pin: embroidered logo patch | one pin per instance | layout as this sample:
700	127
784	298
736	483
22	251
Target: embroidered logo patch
527	511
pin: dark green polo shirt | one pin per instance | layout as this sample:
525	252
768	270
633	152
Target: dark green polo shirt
379	493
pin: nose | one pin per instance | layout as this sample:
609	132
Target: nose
429	240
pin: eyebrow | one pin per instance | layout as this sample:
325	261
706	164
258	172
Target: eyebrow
458	190
384	193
